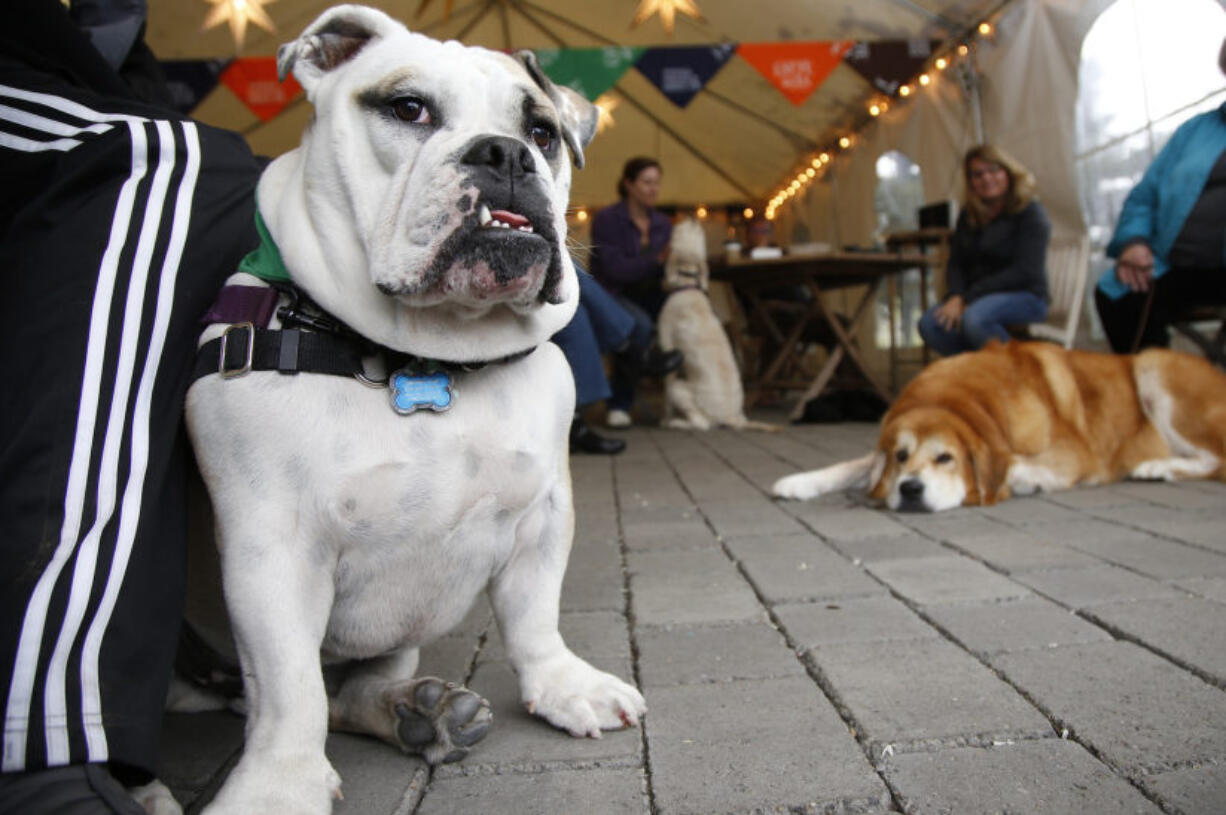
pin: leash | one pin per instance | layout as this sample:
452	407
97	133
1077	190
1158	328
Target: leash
1149	303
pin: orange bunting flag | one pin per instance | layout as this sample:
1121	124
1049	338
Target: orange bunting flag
795	68
254	81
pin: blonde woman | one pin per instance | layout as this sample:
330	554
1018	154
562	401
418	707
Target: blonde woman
997	273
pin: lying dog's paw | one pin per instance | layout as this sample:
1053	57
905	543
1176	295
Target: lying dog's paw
573	696
440	720
798	487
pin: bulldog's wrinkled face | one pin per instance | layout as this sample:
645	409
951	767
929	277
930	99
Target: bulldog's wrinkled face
453	163
926	466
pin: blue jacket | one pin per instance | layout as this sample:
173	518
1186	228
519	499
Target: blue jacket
1158	205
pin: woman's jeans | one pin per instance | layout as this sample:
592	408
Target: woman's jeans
984	319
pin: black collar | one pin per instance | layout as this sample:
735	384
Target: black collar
311	340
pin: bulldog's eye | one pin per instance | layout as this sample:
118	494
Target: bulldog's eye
944	458
901	455
542	136
412	110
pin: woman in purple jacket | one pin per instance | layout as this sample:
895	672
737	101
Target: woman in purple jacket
629	247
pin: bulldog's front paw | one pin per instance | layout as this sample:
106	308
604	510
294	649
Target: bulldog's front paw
293	784
573	696
441	721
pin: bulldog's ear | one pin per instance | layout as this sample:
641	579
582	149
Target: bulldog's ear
579	116
332	40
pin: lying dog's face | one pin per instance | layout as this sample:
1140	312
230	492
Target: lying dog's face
926	462
442	171
687	258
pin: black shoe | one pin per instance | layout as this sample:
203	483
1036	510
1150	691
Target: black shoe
658	363
584	439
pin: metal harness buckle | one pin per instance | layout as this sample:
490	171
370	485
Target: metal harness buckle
231	373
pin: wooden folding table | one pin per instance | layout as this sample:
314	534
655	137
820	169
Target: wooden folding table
818	274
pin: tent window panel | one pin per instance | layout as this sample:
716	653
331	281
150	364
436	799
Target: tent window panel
897	201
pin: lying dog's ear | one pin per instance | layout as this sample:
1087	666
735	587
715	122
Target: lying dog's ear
579	116
991	468
330	41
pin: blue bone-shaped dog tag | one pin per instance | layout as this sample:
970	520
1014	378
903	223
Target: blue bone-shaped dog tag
412	392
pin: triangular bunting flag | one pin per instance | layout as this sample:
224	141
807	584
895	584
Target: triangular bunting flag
795	68
254	81
589	71
890	63
681	72
190	80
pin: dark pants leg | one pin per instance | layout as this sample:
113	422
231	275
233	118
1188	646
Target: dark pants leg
113	245
1173	293
625	377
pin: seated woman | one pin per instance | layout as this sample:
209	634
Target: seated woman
997	272
629	247
1169	244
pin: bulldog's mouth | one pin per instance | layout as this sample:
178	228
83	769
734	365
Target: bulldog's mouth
502	219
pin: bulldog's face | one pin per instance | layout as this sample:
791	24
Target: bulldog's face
924	462
442	170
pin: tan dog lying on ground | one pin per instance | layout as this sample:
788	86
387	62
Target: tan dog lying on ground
707	390
1019	418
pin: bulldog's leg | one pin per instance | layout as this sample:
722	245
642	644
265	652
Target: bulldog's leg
554	683
426	716
279	593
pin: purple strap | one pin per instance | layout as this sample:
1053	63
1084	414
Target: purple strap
243	304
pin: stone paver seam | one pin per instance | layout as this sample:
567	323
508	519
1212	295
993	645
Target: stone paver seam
1116	633
1063	729
824	686
632	632
1059	727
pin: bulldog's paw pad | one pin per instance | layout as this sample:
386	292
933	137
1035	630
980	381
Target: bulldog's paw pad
440	720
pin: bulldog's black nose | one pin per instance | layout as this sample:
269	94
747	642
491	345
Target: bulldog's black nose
502	156
911	489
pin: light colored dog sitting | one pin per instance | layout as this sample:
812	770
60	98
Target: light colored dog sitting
359	515
707	390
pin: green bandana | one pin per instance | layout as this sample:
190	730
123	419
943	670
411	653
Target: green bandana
265	261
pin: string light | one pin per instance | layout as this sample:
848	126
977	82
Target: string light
702	213
747	212
581	215
237	13
875	109
605	104
667	10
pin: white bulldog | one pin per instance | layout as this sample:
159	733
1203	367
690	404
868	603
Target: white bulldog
424	212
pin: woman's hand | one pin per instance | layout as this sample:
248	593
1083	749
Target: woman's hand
1135	267
949	314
